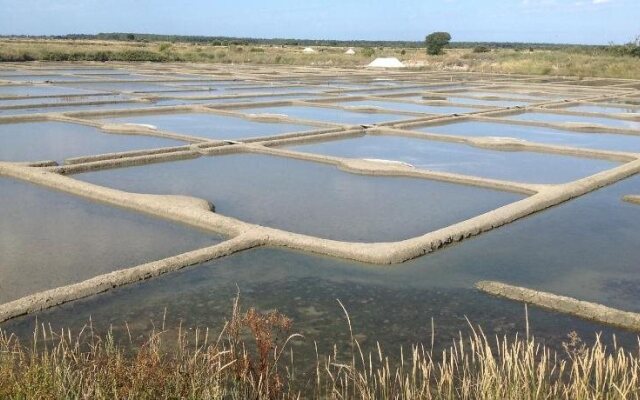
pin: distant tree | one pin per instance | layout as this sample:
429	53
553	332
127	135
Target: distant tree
436	42
131	36
403	52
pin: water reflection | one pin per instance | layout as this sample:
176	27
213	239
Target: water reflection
49	239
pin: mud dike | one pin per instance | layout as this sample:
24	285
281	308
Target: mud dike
199	109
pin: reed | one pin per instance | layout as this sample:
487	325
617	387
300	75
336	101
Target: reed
248	360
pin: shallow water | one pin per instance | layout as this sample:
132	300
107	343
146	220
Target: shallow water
49	239
602	109
604	141
492	103
333	115
60	100
40	90
259	99
213	126
310	198
133	86
76	108
560	118
38	141
587	248
409	107
45	78
507	95
463	159
395	304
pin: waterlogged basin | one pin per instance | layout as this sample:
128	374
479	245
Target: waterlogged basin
260	99
562	118
132	86
409	107
60	100
463	159
75	108
482	94
310	198
395	305
603	141
385	305
44	78
37	141
213	126
484	102
594	108
49	239
39	90
332	115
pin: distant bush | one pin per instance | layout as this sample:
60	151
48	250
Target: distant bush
165	46
403	52
436	42
256	50
630	49
481	49
19	57
368	52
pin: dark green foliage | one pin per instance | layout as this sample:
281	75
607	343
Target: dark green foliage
368	52
436	42
481	49
22	57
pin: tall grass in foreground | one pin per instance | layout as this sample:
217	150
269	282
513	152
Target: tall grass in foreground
246	361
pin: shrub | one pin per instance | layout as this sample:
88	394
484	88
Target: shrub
165	46
368	52
436	42
481	49
403	52
256	50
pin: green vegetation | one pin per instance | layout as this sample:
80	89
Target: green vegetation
580	61
481	49
252	359
368	52
436	42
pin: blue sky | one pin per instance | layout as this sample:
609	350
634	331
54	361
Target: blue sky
555	21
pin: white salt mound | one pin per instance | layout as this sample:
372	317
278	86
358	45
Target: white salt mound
308	50
390	62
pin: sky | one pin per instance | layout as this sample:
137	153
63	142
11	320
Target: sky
549	21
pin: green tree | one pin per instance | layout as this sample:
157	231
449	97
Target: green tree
436	42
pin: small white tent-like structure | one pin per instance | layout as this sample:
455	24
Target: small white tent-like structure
390	62
308	50
350	52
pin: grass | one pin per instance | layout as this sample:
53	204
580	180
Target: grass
251	359
552	62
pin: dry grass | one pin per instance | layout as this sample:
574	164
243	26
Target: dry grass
246	362
561	62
